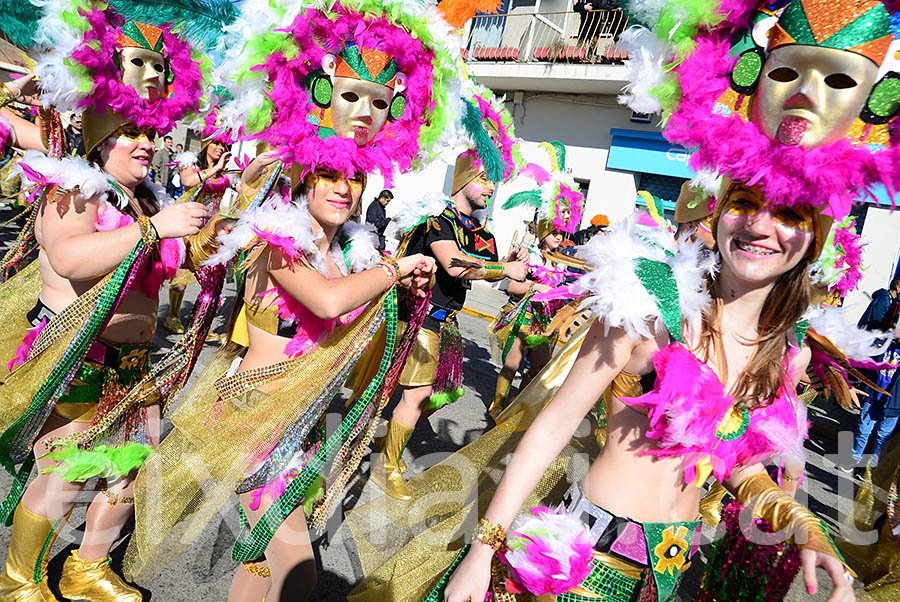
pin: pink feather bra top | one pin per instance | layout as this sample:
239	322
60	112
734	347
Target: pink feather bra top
692	416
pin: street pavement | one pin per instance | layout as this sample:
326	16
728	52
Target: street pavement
204	571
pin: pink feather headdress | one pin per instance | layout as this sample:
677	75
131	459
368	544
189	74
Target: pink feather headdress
272	76
696	49
82	71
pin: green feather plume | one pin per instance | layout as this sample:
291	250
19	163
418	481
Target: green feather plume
110	462
18	21
487	151
529	198
199	21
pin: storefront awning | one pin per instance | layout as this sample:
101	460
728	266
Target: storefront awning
647	152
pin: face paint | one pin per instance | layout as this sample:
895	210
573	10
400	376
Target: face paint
332	197
144	71
790	221
359	109
810	95
479	191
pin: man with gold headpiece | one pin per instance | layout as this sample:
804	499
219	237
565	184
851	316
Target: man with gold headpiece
465	251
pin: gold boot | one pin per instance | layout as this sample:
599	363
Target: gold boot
94	581
500	394
173	322
386	472
26	560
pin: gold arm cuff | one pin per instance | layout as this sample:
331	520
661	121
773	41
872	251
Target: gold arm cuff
248	191
768	501
494	270
203	244
46	116
6	97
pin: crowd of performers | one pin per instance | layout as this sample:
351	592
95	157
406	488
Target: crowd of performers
690	350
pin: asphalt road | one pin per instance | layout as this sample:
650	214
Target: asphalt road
204	572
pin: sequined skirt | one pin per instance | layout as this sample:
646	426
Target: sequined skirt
235	432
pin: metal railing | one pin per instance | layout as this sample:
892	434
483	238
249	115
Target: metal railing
569	36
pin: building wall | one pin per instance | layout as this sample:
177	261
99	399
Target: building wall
879	257
581	123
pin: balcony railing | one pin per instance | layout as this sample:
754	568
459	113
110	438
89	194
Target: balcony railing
568	37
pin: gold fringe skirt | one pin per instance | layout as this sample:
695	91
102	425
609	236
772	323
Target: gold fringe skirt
405	546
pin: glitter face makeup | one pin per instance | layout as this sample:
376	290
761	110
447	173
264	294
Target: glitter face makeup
479	191
759	242
126	155
333	197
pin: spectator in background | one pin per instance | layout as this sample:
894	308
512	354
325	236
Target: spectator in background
376	215
879	413
75	136
179	148
160	165
597	18
599	224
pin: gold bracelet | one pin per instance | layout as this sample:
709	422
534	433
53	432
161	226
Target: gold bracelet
493	270
6	97
491	534
148	231
259	571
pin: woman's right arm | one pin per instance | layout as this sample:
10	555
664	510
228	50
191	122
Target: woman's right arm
330	298
76	251
600	359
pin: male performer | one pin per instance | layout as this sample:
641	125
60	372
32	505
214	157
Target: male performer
465	251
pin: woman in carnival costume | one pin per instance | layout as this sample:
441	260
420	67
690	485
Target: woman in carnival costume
336	94
559	204
205	181
749	563
451	230
743	349
108	238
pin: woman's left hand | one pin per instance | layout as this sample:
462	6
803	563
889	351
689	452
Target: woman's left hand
843	587
419	279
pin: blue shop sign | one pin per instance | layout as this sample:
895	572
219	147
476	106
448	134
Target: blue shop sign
647	152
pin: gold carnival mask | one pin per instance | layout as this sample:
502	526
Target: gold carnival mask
815	71
144	70
356	93
809	96
359	108
141	60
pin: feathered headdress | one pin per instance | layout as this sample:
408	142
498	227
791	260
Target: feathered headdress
83	70
559	199
715	69
282	60
838	269
490	126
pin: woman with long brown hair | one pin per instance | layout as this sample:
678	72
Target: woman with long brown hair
744	342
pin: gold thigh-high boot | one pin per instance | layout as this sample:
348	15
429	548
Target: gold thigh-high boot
25	577
386	473
500	395
173	322
94	581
